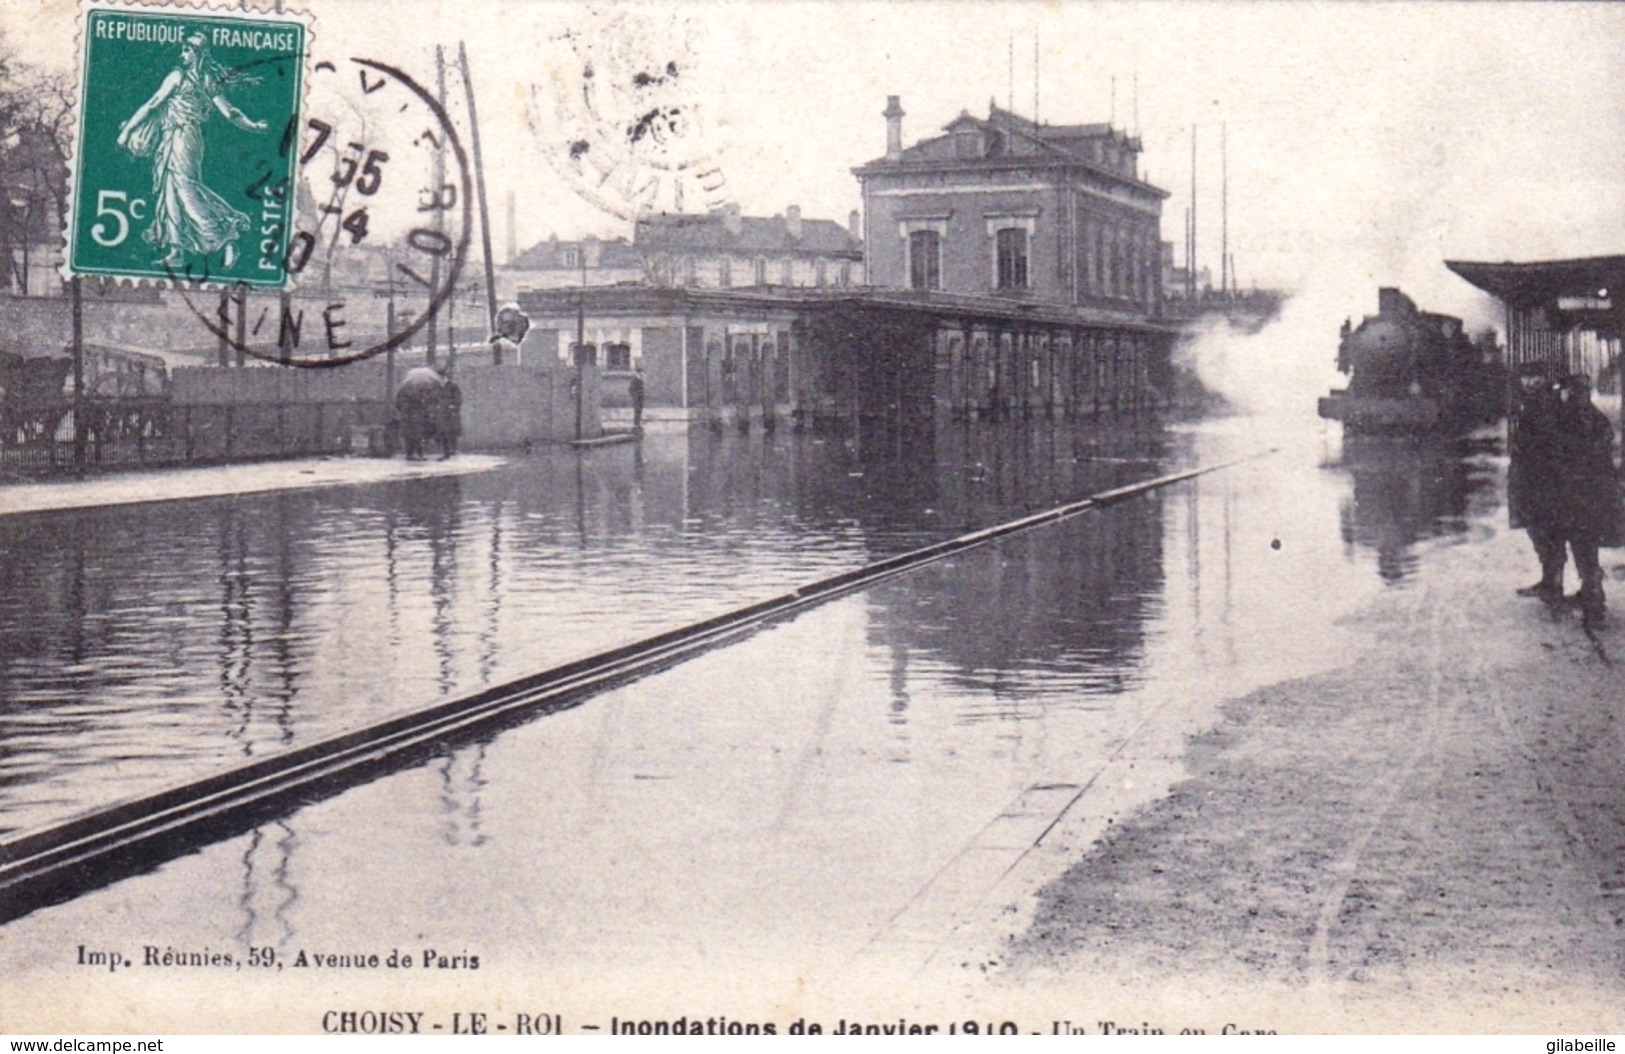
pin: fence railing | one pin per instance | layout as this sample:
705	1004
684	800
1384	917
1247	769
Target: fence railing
151	430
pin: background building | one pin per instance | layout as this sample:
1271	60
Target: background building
726	250
556	264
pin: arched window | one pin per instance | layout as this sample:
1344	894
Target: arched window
1011	243
924	260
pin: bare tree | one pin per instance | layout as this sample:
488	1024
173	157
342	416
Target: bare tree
35	106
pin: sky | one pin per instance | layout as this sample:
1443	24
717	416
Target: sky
1365	143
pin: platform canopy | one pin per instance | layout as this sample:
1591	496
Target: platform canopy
1598	278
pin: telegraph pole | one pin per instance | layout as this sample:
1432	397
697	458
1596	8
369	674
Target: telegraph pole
581	342
1192	261
485	211
80	432
1224	210
439	182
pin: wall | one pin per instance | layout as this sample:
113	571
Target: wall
262	411
34	326
663	365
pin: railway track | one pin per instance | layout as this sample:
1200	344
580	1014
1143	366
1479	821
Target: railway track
55	863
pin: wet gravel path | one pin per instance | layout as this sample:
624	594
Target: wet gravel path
1431	839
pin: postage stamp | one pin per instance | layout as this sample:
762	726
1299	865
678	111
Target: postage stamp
186	151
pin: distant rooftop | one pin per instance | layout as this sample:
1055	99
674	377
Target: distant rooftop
727	231
550	255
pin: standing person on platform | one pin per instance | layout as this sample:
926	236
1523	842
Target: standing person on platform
1588	491
1532	477
449	415
634	387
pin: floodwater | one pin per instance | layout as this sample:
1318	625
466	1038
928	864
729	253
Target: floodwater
827	772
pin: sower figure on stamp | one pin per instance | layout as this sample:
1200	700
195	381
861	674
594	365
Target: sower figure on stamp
187	217
417	402
1532	478
448	424
1589	494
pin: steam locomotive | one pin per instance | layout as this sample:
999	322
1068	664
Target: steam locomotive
1414	371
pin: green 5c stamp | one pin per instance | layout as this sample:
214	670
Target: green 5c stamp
187	156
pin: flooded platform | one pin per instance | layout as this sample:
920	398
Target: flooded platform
881	786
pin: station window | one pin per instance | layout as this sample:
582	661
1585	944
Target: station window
761	270
821	269
1011	243
725	272
618	356
924	260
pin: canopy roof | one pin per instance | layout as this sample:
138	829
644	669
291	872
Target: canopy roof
1528	284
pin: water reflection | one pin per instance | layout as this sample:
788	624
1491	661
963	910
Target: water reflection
179	637
1054	613
268	896
824	771
1406	491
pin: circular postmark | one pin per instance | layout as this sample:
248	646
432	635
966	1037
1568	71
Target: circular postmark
618	116
377	226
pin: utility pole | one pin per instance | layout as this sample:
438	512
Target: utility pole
389	332
439	182
1224	209
1190	282
1035	76
581	342
485	211
80	432
1192	266
1010	88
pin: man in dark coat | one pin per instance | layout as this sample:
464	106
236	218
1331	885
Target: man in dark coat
1588	490
1532	477
634	388
449	413
417	402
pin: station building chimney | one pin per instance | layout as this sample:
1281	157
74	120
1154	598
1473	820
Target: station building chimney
894	128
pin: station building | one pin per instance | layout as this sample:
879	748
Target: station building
1005	206
1008	267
